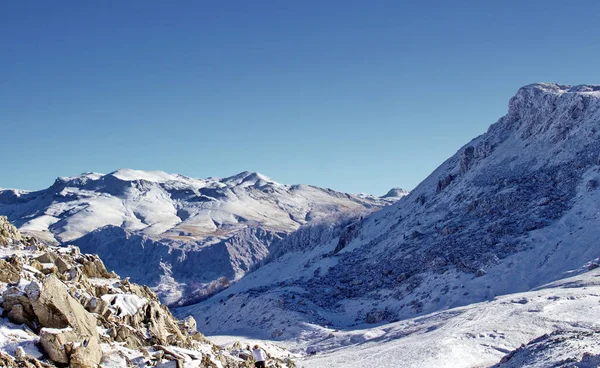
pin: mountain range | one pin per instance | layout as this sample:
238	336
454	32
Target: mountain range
178	234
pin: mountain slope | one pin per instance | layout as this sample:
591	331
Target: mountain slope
513	209
186	232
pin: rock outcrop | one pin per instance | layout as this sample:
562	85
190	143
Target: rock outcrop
81	315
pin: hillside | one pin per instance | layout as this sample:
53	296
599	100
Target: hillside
175	233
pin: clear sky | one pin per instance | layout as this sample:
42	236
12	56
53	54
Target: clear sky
358	96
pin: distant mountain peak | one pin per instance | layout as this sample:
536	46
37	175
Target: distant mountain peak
249	178
153	176
395	193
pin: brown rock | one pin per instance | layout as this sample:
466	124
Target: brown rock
53	341
62	265
48	257
94	268
8	233
48	268
8	272
56	309
18	307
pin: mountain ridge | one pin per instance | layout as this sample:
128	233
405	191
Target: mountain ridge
178	216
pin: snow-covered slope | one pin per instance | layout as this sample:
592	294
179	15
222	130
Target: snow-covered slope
170	231
554	326
513	209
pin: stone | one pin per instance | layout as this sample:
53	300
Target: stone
480	272
48	257
18	307
56	309
53	342
94	268
62	265
8	272
66	346
48	268
8	233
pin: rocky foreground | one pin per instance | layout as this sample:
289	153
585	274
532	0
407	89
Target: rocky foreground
61	307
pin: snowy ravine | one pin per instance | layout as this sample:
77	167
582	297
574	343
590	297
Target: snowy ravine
176	233
514	209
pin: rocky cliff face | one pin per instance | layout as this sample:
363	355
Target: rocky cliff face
186	232
83	316
511	210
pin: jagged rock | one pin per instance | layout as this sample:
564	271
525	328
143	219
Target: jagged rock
188	324
56	309
54	342
97	305
66	307
94	268
8	273
7	361
128	335
18	306
49	268
62	265
8	233
48	257
162	325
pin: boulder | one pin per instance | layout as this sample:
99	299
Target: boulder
18	307
94	268
62	265
8	233
57	311
8	272
48	268
57	343
53	258
48	257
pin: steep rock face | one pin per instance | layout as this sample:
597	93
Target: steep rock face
189	231
511	210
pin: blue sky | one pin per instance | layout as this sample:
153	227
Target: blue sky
358	96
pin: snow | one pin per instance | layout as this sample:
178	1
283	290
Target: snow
153	176
125	304
200	229
477	335
13	336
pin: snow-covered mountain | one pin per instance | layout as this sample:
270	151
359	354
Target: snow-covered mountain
173	232
512	210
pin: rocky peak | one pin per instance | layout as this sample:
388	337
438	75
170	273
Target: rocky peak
542	107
